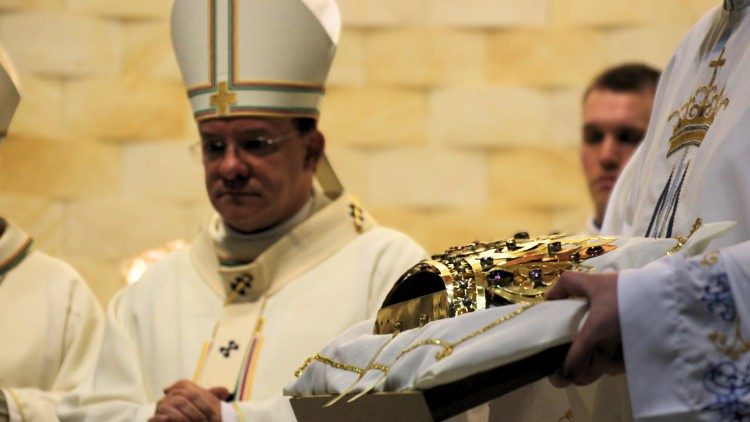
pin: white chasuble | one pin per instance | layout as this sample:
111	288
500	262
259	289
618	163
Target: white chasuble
189	311
51	324
690	165
685	321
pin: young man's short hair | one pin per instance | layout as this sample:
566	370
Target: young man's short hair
628	77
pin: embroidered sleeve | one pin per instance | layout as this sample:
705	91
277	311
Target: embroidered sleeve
684	325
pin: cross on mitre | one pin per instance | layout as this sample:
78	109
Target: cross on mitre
223	99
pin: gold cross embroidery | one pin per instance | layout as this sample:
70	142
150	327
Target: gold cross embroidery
223	99
716	64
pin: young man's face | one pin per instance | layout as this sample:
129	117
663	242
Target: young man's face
255	186
614	124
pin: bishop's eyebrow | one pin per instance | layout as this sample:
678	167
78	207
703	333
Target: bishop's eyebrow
254	132
209	135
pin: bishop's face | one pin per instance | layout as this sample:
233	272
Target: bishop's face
614	124
258	171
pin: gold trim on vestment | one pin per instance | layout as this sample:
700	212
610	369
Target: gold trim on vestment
734	346
696	116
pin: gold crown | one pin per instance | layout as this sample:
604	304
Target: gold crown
697	115
480	275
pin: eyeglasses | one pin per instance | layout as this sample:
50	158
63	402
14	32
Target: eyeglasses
214	149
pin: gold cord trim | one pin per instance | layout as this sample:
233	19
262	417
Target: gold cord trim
682	240
330	362
447	349
446	346
379	367
493	324
371	364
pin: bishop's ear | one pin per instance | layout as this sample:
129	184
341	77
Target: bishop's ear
316	143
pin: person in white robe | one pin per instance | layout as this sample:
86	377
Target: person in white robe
680	325
51	322
217	329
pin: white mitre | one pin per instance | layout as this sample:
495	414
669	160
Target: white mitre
257	58
9	92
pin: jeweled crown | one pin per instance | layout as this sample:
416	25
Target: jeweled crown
697	115
479	275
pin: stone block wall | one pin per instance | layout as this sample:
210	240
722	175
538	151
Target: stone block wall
452	120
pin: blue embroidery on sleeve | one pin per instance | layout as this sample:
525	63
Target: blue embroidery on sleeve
726	380
718	297
730	384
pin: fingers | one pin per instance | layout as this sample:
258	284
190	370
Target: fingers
587	369
182	384
220	393
201	402
186	401
570	284
592	371
558	380
597	348
166	410
603	362
580	355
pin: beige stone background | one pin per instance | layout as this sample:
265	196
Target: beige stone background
452	120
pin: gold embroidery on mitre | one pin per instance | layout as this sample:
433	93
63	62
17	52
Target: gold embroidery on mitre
223	99
697	115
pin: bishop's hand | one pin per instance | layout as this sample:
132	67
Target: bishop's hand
185	401
597	348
